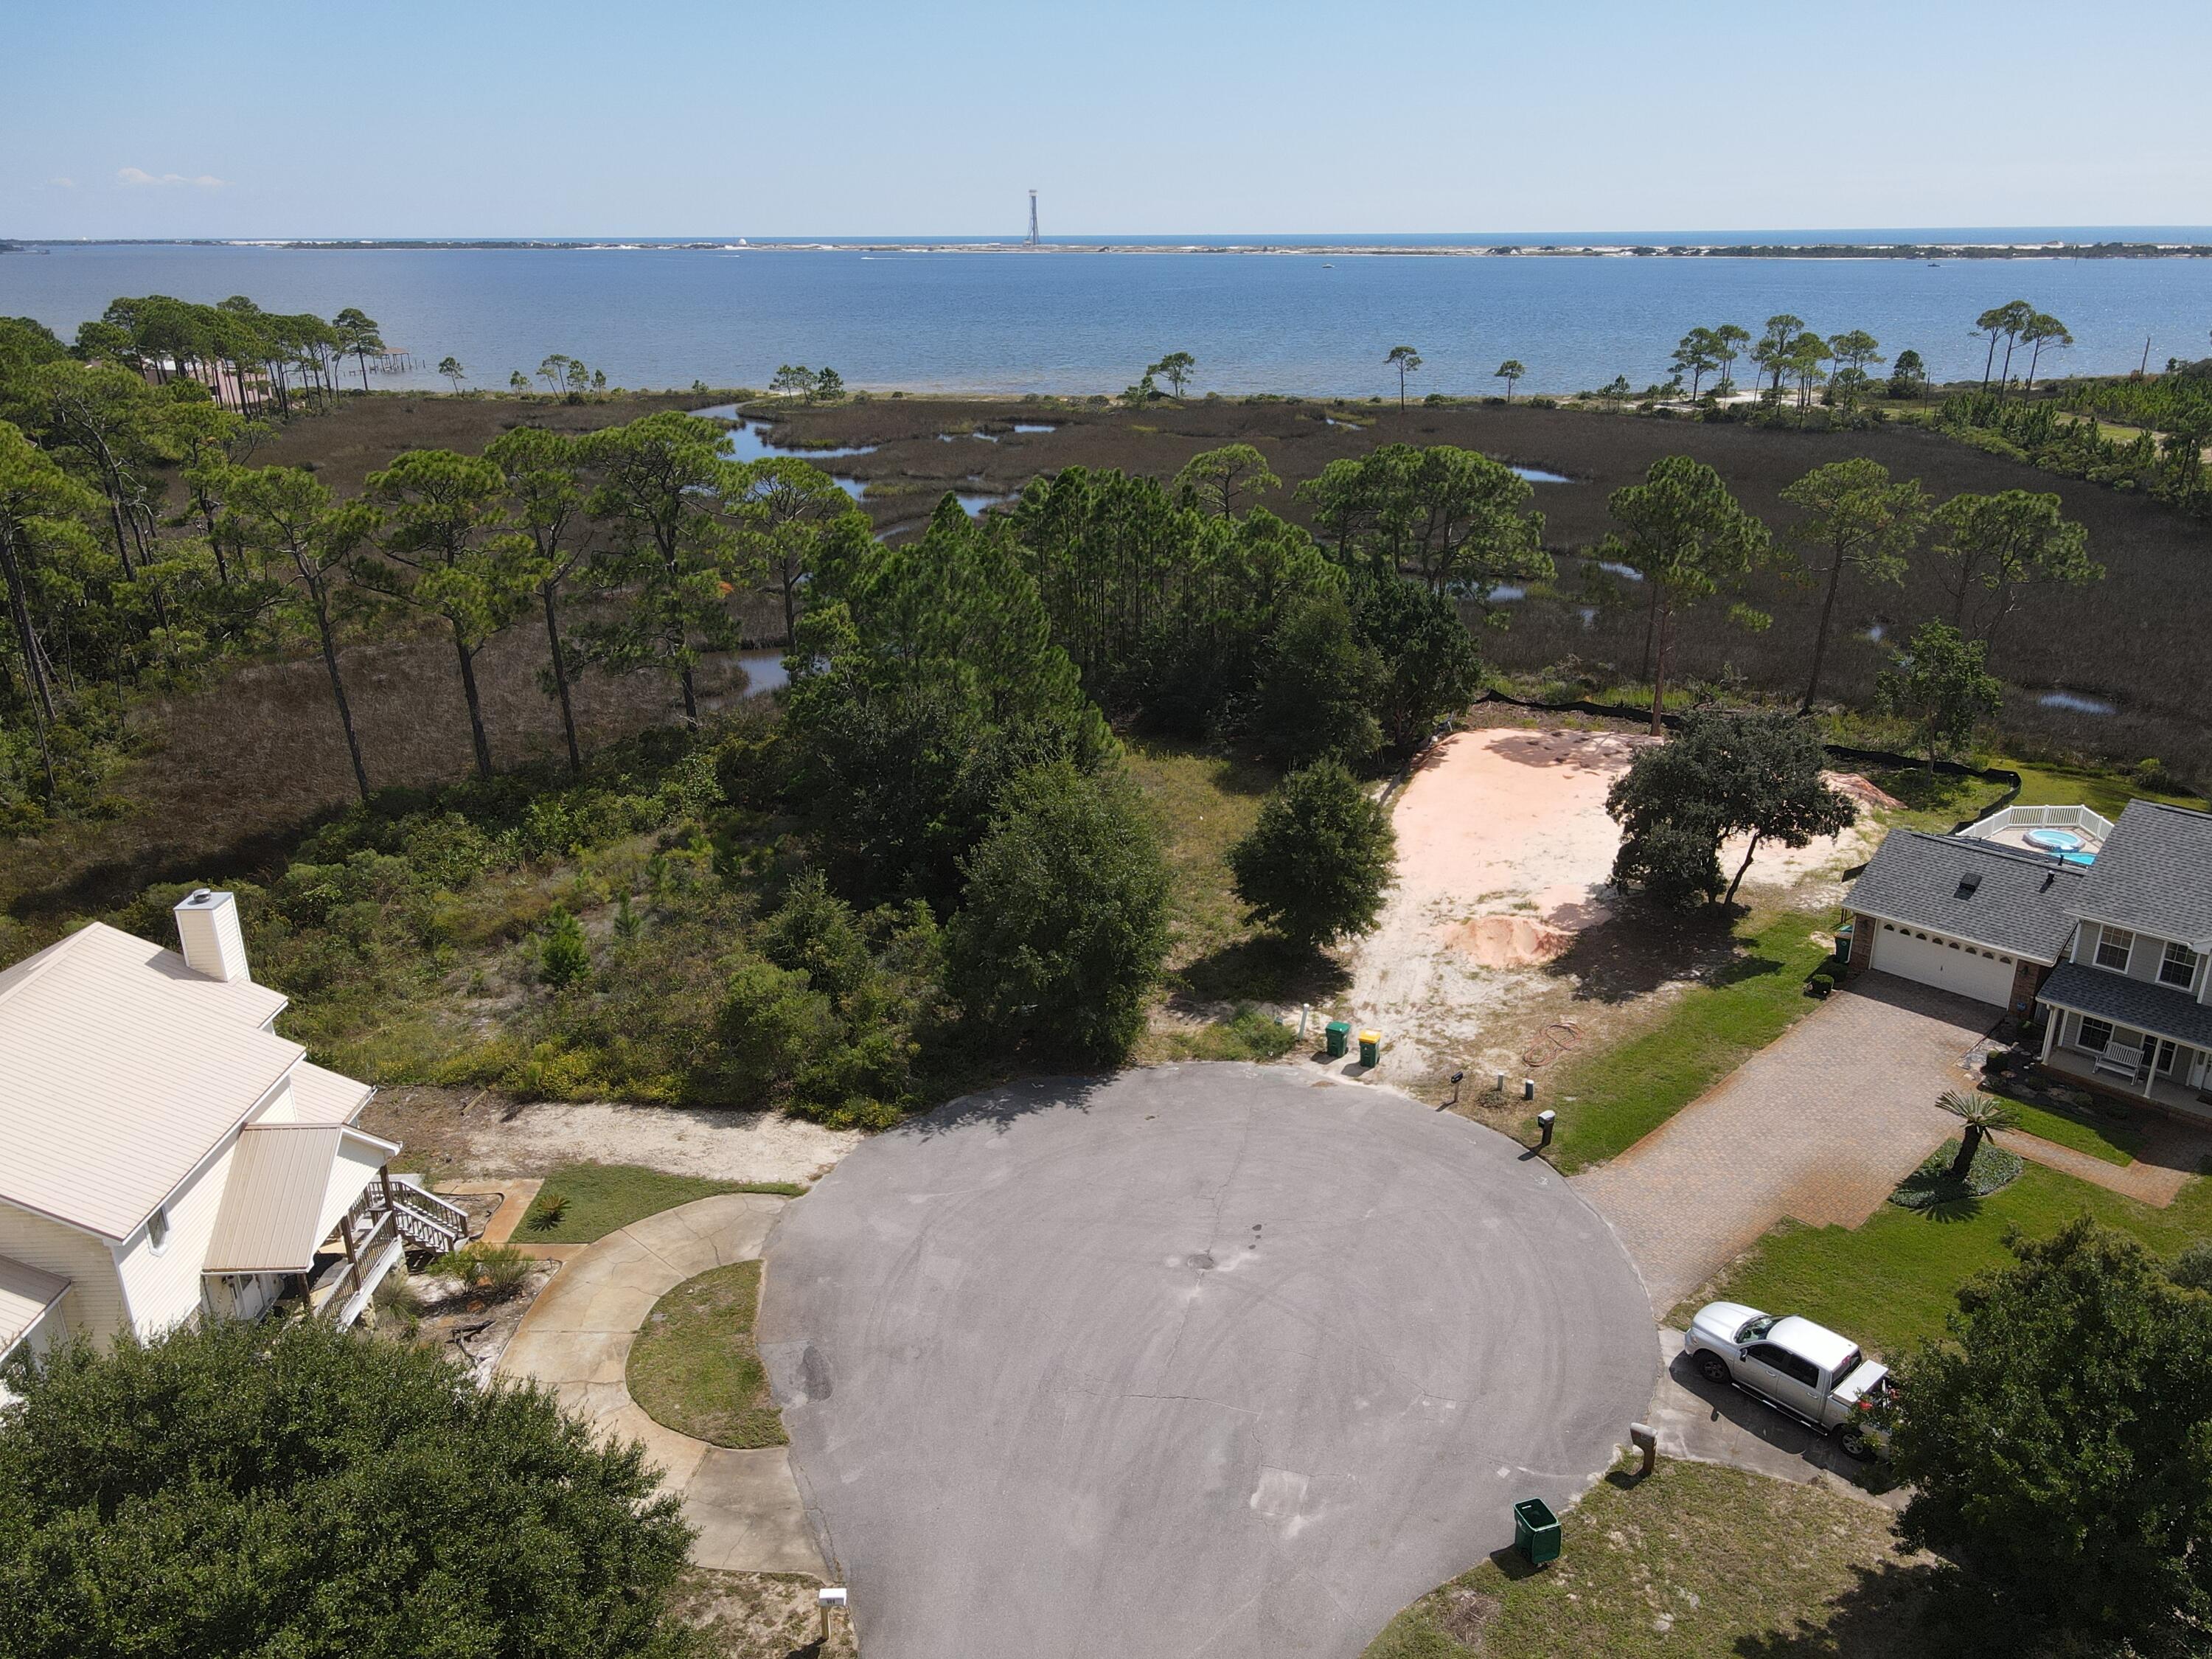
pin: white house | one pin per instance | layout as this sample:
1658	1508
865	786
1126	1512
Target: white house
2106	927
164	1155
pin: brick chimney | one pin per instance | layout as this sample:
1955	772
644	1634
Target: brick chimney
207	928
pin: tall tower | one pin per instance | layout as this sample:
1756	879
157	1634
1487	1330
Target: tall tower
1033	230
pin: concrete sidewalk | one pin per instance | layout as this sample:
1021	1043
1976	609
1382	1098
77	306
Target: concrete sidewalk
576	1341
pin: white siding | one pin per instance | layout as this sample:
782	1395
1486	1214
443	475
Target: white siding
162	1288
93	1306
351	1171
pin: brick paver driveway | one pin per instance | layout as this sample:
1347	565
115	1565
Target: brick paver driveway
1819	1126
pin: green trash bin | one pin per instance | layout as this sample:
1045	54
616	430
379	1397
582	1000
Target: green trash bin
1339	1038
1371	1048
1536	1531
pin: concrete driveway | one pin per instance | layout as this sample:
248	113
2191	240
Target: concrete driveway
1198	1360
1719	1423
576	1341
1820	1124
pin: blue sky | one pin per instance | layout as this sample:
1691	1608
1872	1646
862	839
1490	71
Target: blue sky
644	117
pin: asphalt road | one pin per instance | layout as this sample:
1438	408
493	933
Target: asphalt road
1218	1360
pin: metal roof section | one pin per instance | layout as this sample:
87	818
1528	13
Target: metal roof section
120	1070
289	1184
26	1295
2160	1010
2153	875
326	1096
2010	899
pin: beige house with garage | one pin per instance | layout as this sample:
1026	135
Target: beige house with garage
165	1156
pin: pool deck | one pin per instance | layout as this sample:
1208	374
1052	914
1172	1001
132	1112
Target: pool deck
2091	843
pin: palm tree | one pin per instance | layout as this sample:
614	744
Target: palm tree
1510	371
1983	1115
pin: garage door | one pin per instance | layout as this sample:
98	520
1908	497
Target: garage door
1969	969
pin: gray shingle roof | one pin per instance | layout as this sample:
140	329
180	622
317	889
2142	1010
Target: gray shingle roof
2154	874
2016	900
2136	1004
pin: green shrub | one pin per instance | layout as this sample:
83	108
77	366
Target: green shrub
2192	1268
566	954
1059	937
233	1488
496	1268
1317	865
547	1209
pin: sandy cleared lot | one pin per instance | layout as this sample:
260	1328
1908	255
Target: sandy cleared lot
1504	852
490	1139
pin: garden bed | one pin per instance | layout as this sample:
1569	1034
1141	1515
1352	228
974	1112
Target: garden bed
1932	1187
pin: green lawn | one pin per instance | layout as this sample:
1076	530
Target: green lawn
2085	1132
1890	1282
1699	1560
1934	800
604	1196
2098	788
693	1367
1608	1100
1205	802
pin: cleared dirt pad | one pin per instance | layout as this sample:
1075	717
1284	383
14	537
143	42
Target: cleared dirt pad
1504	848
1503	854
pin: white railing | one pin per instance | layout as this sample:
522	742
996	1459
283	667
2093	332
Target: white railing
421	1219
426	1219
375	1256
2079	819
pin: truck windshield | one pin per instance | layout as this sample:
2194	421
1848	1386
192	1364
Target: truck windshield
1756	1329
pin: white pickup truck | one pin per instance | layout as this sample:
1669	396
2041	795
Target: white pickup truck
1805	1369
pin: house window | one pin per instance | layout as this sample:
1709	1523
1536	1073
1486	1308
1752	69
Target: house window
157	1229
2113	944
2096	1034
2179	967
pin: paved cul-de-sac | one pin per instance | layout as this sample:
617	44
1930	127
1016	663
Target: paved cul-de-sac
1206	1360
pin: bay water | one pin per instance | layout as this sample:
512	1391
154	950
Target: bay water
947	319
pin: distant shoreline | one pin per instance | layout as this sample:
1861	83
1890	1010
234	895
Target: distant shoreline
1931	252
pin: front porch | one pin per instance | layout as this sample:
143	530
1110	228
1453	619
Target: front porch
2135	1085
